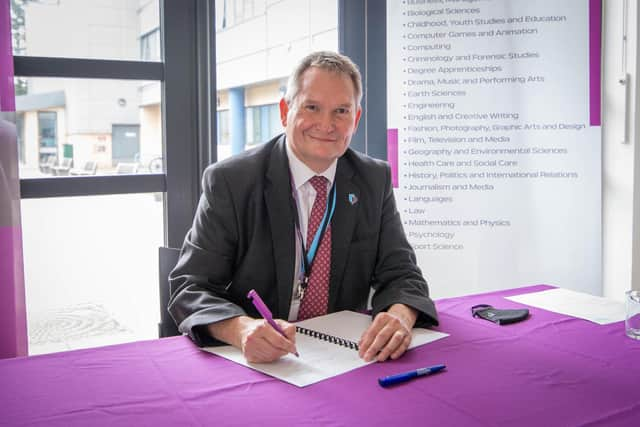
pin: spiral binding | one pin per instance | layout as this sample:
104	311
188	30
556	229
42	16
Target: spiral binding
329	338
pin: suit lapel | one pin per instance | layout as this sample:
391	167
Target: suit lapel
342	226
277	196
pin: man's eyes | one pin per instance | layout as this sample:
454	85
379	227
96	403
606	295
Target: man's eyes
315	108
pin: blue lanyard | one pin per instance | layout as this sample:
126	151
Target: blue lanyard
308	257
326	219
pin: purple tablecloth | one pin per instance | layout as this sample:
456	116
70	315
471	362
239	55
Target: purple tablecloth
551	370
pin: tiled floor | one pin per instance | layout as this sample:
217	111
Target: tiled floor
74	327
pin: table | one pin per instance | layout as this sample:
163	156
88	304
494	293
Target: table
551	370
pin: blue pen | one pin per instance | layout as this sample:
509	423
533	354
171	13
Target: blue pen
266	313
406	376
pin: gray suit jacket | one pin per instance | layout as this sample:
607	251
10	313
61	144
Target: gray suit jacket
243	238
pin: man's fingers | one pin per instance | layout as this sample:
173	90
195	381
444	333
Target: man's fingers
379	343
264	344
290	333
392	345
263	353
370	335
289	330
397	350
387	337
276	340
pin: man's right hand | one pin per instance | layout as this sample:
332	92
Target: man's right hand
258	341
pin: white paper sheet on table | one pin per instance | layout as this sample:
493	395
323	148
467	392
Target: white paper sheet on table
320	359
576	304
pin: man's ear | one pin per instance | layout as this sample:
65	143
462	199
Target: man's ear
358	114
284	110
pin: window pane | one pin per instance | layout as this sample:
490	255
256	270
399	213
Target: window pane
258	42
262	123
89	127
91	270
275	126
252	117
20	136
224	145
98	29
150	46
47	135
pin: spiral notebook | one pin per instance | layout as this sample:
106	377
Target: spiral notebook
328	346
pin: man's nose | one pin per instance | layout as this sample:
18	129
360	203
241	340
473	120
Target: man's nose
326	122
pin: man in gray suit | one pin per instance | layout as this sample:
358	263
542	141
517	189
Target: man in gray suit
255	211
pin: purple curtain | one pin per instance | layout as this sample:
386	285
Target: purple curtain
13	320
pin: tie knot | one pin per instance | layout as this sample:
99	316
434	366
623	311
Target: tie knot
319	184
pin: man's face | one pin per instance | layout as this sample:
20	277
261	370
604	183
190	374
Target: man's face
322	118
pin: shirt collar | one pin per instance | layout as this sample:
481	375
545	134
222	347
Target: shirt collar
301	173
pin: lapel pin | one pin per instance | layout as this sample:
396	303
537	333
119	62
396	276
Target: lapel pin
353	199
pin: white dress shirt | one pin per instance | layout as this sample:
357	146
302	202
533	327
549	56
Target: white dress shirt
305	195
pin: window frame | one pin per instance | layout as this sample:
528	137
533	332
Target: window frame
187	77
362	23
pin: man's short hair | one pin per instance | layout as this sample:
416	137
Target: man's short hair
326	60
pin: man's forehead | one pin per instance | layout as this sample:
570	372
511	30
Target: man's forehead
322	97
310	91
314	74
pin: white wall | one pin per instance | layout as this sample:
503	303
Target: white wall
620	206
635	123
82	29
148	15
267	46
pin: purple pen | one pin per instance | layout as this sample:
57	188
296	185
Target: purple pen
266	313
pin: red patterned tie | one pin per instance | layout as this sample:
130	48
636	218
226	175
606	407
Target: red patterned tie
316	297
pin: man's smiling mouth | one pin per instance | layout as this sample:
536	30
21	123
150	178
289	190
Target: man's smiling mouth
321	139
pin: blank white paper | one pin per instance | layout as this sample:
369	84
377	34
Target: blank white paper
576	304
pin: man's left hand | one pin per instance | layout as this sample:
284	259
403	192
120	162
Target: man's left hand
389	335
